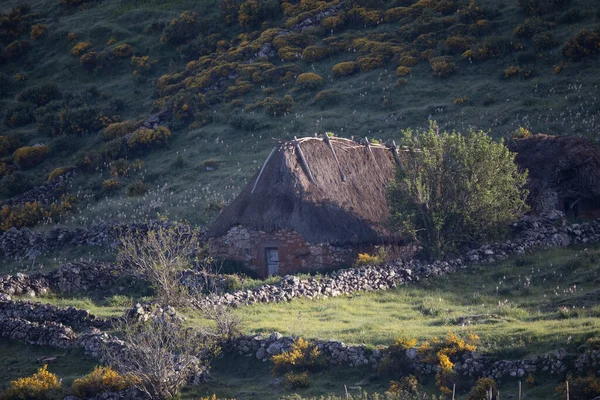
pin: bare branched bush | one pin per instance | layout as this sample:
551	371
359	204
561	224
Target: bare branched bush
159	256
162	354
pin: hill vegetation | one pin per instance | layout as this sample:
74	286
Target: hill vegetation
79	78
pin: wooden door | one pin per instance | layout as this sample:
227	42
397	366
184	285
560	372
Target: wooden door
272	256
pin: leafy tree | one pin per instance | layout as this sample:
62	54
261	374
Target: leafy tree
454	190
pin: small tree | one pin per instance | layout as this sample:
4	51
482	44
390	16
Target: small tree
161	354
454	190
159	256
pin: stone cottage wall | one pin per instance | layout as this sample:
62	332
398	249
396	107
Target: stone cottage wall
295	254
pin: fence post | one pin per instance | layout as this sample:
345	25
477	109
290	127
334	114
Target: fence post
520	397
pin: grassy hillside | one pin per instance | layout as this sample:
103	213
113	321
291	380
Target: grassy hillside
492	65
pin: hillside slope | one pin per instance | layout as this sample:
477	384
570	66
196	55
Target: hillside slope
226	76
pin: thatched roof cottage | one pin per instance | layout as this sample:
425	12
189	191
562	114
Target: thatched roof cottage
314	204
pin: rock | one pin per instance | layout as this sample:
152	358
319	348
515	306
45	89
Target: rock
261	353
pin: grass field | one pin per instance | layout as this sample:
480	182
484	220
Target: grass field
521	306
369	103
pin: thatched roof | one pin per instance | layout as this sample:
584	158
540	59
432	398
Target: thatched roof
344	203
568	165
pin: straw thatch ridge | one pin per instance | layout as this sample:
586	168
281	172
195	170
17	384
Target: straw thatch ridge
339	211
568	165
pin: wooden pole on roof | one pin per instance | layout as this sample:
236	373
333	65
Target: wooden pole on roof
328	141
394	149
263	168
303	160
369	147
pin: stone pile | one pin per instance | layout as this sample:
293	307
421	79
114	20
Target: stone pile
531	233
37	312
44	194
25	243
70	278
45	333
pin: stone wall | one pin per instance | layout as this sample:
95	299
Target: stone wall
530	233
295	254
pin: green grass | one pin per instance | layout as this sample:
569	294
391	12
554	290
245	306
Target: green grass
20	360
561	104
521	306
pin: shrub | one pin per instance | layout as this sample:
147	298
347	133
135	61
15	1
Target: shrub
587	387
239	89
327	97
19	115
181	29
30	156
433	198
344	68
101	379
80	48
278	106
243	122
137	188
123	50
70	121
303	356
406	384
297	380
364	17
460	100
39	386
408	61
511	71
458	43
544	40
369	63
92	60
309	80
403	71
40	95
531	26
584	44
22	215
143	63
145	138
482	388
14	183
521	133
334	21
37	31
442	67
60	171
8	144
367	259
72	36
16	49
315	53
118	129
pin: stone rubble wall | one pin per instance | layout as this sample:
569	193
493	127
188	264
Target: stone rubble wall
471	365
531	233
45	193
25	243
70	278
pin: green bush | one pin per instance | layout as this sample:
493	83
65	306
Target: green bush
39	386
118	129
344	68
456	190
584	44
137	188
482	388
101	379
442	67
309	81
30	156
19	115
297	380
40	95
8	144
16	49
315	53
277	106
146	138
328	97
